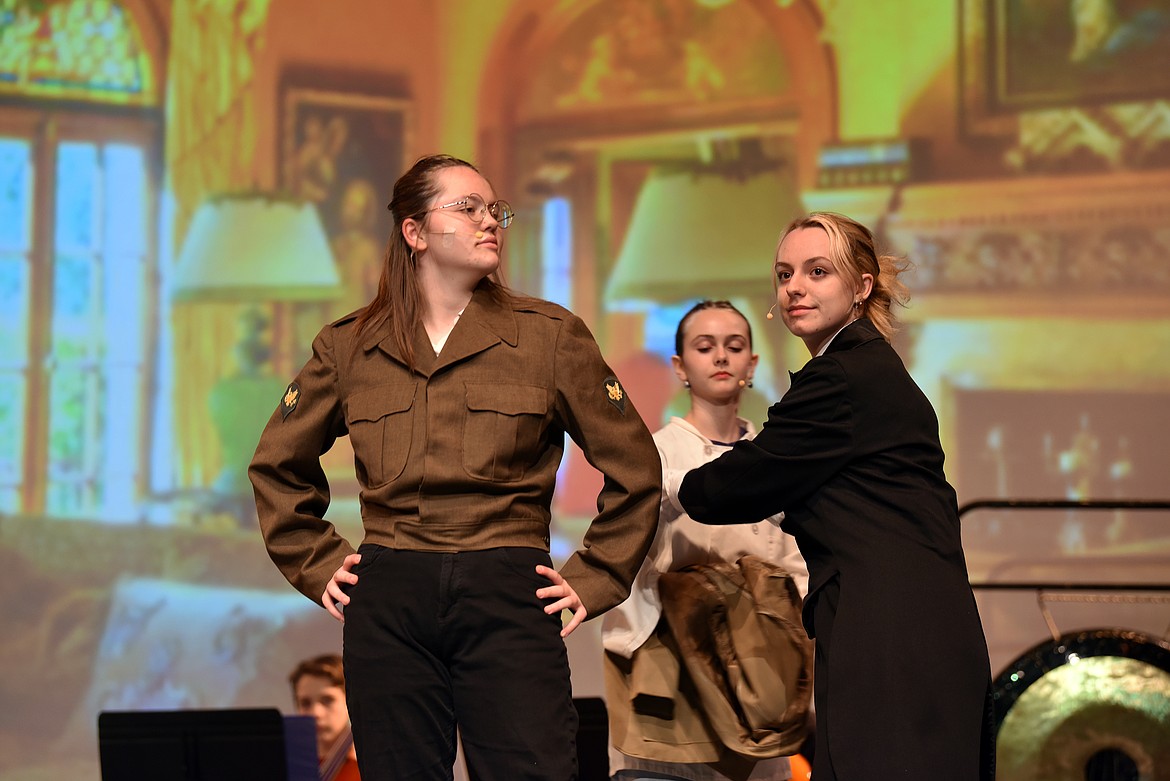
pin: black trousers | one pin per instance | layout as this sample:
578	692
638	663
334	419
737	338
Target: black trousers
438	640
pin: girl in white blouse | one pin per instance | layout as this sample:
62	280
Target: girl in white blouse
714	361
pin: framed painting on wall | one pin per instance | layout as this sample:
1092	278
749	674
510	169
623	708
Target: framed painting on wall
344	140
342	149
1021	55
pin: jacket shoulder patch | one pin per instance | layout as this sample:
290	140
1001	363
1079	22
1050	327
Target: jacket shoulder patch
290	399
615	394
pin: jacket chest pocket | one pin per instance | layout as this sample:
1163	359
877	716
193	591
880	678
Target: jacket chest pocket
502	430
381	423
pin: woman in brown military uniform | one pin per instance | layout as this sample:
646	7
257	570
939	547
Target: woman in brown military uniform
456	395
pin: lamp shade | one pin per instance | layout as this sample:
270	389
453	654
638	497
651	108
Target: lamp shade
255	248
702	234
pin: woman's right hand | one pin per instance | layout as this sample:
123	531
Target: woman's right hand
333	598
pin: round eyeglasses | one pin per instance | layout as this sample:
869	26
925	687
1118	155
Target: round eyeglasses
475	208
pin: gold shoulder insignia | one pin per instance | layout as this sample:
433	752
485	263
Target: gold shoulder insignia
615	394
288	402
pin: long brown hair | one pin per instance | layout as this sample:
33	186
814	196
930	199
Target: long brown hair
853	250
398	302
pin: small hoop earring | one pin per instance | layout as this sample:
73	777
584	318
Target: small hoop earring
749	382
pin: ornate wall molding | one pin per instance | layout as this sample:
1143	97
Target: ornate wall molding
1104	235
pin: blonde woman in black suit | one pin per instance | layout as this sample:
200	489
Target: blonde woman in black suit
851	454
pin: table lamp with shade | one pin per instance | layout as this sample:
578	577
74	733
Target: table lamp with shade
702	234
251	249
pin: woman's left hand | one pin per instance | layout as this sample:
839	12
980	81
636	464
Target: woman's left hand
566	597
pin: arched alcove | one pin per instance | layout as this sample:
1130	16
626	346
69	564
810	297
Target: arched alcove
580	103
532	40
108	53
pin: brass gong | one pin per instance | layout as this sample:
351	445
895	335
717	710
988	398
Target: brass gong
1090	706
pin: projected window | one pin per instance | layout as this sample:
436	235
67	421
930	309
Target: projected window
95	367
556	252
77	281
73	306
77	293
15	255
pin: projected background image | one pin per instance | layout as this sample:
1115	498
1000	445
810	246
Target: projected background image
1017	153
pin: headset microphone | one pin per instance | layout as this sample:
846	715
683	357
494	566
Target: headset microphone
449	234
742	383
770	315
451	231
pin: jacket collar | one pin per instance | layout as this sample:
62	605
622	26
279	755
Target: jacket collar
857	333
484	322
686	425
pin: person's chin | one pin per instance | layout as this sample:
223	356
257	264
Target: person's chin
801	326
486	263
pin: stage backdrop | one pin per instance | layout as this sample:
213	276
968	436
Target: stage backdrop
1016	153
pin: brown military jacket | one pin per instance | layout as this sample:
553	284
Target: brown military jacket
461	453
725	680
